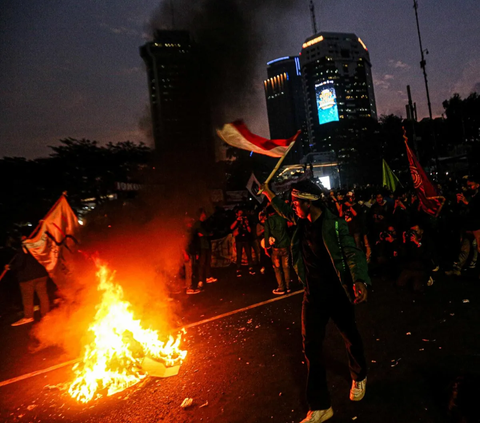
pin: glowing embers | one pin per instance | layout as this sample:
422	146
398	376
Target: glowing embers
113	360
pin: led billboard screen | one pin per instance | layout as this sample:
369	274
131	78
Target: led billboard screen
326	102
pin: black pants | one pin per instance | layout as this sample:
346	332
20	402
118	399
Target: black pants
240	246
417	277
204	264
315	315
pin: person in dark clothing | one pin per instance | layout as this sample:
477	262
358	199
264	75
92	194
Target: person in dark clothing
334	273
277	238
32	278
418	259
203	234
387	252
380	214
349	211
189	255
242	233
260	234
401	212
471	223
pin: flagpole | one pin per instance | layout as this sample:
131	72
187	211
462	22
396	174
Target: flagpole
279	163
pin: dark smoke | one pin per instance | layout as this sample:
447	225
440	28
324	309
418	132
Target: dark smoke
230	34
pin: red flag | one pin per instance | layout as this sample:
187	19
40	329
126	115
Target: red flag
238	135
426	192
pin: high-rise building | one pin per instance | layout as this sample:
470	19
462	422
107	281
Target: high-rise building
285	105
338	88
180	115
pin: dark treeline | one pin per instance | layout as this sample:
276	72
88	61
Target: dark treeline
87	170
81	167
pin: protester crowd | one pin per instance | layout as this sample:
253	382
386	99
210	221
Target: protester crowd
402	243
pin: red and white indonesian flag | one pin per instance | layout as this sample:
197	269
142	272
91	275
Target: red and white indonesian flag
238	135
54	238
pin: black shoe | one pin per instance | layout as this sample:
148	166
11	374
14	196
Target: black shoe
251	271
239	273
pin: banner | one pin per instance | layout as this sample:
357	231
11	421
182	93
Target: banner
222	251
254	186
280	187
426	192
54	240
390	180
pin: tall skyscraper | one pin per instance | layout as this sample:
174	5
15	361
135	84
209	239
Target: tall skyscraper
285	105
180	115
338	87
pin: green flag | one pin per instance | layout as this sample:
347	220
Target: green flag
389	179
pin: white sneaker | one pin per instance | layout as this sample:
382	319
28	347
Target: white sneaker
318	416
23	321
358	389
191	291
212	280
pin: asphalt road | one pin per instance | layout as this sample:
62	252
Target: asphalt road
249	367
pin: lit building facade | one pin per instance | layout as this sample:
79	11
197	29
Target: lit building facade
285	105
180	117
337	87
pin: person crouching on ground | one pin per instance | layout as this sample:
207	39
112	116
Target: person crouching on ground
334	272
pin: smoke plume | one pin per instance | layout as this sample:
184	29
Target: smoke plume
230	34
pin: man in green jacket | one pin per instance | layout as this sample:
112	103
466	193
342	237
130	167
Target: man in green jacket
335	275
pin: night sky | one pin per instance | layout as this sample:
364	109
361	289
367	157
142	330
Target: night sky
72	68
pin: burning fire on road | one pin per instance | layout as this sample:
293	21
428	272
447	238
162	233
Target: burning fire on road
113	360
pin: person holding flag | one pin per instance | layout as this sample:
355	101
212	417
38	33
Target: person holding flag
45	253
334	273
32	278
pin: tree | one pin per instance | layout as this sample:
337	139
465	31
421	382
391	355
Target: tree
81	167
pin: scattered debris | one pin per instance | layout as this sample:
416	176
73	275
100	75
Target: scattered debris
395	362
466	301
354	418
204	405
187	402
250	321
31	407
426	340
408	333
421	349
373	361
60	386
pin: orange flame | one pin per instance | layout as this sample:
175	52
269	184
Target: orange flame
112	361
